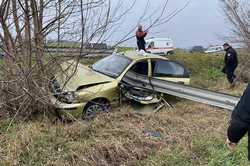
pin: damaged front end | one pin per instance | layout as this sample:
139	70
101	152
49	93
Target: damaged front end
64	101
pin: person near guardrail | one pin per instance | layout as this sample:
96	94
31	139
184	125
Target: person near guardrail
240	122
231	63
140	35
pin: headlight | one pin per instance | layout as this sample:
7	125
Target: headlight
67	97
64	97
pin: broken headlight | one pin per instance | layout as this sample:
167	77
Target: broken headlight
64	97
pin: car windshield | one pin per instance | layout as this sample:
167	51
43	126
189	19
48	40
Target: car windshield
112	65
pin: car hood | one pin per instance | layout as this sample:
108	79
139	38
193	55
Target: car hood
75	77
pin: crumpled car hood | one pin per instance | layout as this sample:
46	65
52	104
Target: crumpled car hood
80	76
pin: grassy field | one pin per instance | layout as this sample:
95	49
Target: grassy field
189	134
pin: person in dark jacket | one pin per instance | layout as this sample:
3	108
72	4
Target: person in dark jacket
240	122
231	63
140	35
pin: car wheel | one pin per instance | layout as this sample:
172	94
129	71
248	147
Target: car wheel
94	108
170	53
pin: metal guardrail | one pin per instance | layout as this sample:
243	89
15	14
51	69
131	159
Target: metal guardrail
183	91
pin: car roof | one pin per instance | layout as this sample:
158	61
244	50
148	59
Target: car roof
135	55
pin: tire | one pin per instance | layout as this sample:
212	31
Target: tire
93	108
170	52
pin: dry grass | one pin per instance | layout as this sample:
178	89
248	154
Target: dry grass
223	86
113	139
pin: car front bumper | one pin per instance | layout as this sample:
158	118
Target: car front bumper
74	109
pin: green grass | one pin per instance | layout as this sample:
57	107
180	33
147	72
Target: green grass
214	152
205	69
205	151
123	49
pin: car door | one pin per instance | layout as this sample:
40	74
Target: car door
138	74
136	84
170	71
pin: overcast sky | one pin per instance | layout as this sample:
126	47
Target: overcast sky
200	23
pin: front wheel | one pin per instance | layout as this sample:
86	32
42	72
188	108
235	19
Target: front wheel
94	108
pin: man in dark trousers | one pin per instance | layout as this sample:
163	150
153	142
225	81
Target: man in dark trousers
240	122
140	35
231	63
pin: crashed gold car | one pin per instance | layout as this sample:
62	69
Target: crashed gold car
85	91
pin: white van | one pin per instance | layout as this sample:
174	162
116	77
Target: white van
214	49
160	46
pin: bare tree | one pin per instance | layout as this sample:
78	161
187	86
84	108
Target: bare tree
237	13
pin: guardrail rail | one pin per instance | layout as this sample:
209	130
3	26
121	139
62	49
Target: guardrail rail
205	96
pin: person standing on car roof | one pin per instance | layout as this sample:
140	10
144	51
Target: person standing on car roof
231	63
240	122
140	35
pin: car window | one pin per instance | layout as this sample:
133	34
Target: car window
168	69
140	68
112	65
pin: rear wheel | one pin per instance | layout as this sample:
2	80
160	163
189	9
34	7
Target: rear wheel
93	108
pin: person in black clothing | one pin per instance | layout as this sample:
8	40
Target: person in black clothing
231	63
240	122
140	35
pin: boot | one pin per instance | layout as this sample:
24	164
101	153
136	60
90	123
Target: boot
233	83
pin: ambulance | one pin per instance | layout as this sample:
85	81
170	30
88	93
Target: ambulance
163	46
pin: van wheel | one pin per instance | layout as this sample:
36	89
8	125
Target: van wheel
93	108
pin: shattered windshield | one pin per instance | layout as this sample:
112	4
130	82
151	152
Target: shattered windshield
112	65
